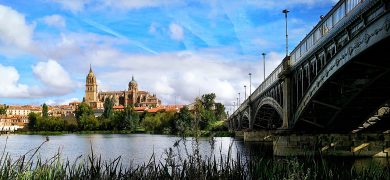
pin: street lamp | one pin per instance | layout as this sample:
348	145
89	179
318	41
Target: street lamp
263	64
250	84
239	99
245	91
285	15
237	103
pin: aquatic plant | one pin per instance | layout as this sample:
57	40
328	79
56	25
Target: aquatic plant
190	166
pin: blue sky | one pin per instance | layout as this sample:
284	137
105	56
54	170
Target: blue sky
175	49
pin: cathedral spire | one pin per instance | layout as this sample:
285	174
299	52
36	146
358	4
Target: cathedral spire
132	77
90	68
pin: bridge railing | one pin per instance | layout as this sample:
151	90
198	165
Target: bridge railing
342	9
273	77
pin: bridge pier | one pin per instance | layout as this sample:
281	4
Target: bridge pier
357	145
285	76
258	136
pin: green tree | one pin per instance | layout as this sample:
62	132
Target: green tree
108	111
3	109
88	122
32	120
45	111
83	108
208	101
151	122
220	111
183	120
85	117
131	118
70	123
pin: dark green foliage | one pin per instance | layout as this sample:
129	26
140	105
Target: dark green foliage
108	111
32	120
3	109
83	109
45	111
183	121
220	111
208	101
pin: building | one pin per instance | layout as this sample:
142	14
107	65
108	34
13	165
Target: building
12	123
132	96
153	110
18	110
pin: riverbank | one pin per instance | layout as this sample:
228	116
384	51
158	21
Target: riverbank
138	131
192	166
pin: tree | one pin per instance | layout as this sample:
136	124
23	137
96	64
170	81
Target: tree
85	117
83	109
131	118
3	109
108	111
183	120
208	101
88	122
45	111
32	120
219	111
151	122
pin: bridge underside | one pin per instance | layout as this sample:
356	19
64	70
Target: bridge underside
352	94
267	118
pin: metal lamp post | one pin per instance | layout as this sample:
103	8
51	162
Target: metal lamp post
285	15
263	65
245	92
250	83
239	99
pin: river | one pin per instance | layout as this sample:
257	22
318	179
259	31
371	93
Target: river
136	148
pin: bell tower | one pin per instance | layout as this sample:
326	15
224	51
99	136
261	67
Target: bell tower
91	94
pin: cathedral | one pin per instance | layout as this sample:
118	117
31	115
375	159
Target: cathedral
130	97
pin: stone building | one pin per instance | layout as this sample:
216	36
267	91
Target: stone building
131	96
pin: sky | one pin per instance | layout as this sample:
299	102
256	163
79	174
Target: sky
176	49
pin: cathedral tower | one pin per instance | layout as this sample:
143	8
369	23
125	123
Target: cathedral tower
91	94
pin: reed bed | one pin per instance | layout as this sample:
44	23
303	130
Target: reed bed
193	166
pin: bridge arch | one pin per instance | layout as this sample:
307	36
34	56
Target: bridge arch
268	115
245	121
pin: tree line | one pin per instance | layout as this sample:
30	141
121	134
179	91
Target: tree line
206	114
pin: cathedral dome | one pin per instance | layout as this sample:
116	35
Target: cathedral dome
133	84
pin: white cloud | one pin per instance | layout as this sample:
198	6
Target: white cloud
55	21
14	31
10	88
50	102
53	75
179	76
176	32
72	5
61	101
